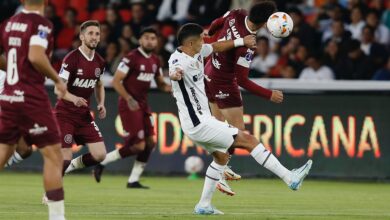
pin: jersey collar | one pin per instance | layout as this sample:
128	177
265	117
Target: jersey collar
85	56
30	12
144	53
247	27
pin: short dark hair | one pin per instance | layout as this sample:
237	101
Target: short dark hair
148	30
353	45
260	12
262	38
34	2
188	30
89	23
371	29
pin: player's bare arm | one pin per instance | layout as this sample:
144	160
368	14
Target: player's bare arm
38	58
100	98
162	85
277	96
176	74
221	46
77	101
120	89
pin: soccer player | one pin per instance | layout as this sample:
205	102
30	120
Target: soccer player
27	41
132	82
226	71
82	69
187	72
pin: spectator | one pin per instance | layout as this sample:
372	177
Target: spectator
333	58
306	34
339	35
105	32
127	34
139	19
383	74
357	23
296	63
50	13
316	70
66	34
112	52
375	51
173	10
203	12
356	65
264	61
382	33
114	21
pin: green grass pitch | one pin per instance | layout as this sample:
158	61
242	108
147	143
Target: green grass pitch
174	198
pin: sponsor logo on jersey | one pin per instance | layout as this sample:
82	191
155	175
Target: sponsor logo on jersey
222	95
84	83
154	68
197	77
142	67
68	139
141	134
198	107
37	130
215	62
97	72
79	72
146	77
235	32
15	41
16	26
232	22
18	96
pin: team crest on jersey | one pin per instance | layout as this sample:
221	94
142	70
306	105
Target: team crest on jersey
154	67
142	67
232	22
79	71
97	72
68	139
141	134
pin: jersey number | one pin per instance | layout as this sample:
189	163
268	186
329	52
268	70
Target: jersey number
12	68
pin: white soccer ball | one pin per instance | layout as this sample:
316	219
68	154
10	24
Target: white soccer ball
280	24
193	164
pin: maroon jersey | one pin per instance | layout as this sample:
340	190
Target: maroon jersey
232	67
141	69
81	74
19	33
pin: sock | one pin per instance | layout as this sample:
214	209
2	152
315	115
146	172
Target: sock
65	166
75	164
136	172
144	155
15	158
56	204
127	151
111	157
269	161
213	174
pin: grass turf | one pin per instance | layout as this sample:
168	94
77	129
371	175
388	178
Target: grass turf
174	198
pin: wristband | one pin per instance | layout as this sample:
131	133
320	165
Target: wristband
239	42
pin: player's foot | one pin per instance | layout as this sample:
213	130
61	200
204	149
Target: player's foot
298	175
210	210
45	200
97	172
223	186
137	185
230	174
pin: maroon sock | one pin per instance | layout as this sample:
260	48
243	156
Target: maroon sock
127	151
65	166
231	150
88	160
144	155
55	195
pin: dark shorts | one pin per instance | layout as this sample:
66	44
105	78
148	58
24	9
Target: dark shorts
136	124
79	131
225	95
34	121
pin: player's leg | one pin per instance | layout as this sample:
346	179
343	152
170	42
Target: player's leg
67	155
22	152
67	133
6	151
266	159
97	153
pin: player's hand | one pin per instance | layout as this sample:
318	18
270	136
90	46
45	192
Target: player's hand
102	111
277	96
168	88
60	89
250	41
176	75
133	104
79	102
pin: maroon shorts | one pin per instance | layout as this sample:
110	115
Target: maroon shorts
136	124
33	120
225	95
79	131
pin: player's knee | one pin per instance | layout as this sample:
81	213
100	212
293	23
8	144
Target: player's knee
25	151
245	141
221	158
99	156
139	147
53	154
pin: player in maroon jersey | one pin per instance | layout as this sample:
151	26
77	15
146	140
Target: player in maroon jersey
27	42
132	81
81	70
228	70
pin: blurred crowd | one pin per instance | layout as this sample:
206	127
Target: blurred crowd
332	39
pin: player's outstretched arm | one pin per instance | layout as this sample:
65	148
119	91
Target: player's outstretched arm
119	76
100	96
39	60
162	85
221	46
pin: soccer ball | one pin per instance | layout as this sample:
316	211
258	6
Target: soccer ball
280	24
193	164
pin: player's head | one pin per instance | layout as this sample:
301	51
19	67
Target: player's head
90	34
259	12
191	35
35	2
148	39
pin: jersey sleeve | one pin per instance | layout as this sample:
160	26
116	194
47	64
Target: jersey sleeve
207	50
125	65
42	34
175	63
68	66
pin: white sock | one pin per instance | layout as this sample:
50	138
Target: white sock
76	163
136	172
56	210
15	158
269	161
213	175
111	157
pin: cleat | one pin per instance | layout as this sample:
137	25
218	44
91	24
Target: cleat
45	200
225	188
97	172
230	174
136	185
298	175
210	210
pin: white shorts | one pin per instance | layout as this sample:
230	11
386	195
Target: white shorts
213	135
